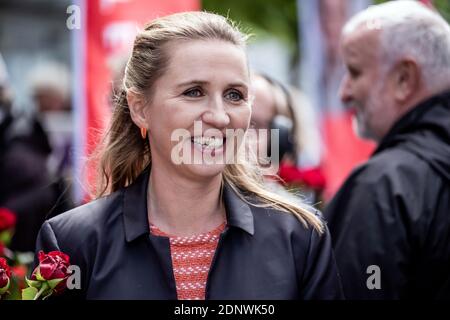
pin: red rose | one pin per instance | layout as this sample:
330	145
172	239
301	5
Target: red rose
2	250
7	219
5	275
19	272
52	265
312	177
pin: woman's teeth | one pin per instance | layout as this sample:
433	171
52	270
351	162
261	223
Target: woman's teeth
208	142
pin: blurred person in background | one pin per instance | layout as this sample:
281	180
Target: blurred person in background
5	90
390	221
26	187
49	84
286	109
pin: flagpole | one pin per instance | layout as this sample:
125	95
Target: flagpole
78	60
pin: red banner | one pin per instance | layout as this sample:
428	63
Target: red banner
343	151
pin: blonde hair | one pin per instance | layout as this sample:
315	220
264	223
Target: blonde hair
124	154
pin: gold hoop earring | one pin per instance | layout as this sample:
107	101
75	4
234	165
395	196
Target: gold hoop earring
144	133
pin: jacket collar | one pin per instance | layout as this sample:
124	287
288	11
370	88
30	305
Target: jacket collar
136	223
426	113
239	213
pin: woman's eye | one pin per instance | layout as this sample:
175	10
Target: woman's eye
234	96
193	93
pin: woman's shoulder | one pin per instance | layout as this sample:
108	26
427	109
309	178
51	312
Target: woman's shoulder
272	220
87	218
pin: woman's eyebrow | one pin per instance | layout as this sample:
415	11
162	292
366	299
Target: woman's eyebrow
192	82
238	84
203	82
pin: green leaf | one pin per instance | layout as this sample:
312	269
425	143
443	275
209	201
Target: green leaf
29	293
5	288
33	283
6	236
54	282
38	275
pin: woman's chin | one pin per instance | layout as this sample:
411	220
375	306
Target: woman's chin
204	170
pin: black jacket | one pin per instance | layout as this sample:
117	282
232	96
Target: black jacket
262	254
394	211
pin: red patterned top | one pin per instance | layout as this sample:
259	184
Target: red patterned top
191	261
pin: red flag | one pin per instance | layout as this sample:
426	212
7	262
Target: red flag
344	150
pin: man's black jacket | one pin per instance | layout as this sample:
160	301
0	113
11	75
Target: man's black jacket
393	212
262	254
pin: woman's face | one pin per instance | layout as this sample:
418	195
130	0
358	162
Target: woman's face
203	93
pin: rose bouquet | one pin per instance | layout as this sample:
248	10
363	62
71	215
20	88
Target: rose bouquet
12	267
48	278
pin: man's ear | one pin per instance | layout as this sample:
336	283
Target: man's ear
137	104
407	80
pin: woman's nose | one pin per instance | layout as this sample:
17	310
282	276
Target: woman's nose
216	116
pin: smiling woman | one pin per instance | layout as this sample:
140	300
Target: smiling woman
167	230
188	92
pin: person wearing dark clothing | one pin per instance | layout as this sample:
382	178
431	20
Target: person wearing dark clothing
262	254
394	211
390	221
26	187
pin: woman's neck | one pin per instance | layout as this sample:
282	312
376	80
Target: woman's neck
182	207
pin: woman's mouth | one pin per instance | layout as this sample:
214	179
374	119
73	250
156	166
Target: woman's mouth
210	145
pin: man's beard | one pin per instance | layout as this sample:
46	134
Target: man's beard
360	119
359	126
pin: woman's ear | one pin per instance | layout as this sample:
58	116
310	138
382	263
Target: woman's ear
137	104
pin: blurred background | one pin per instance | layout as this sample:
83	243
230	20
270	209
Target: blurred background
61	61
